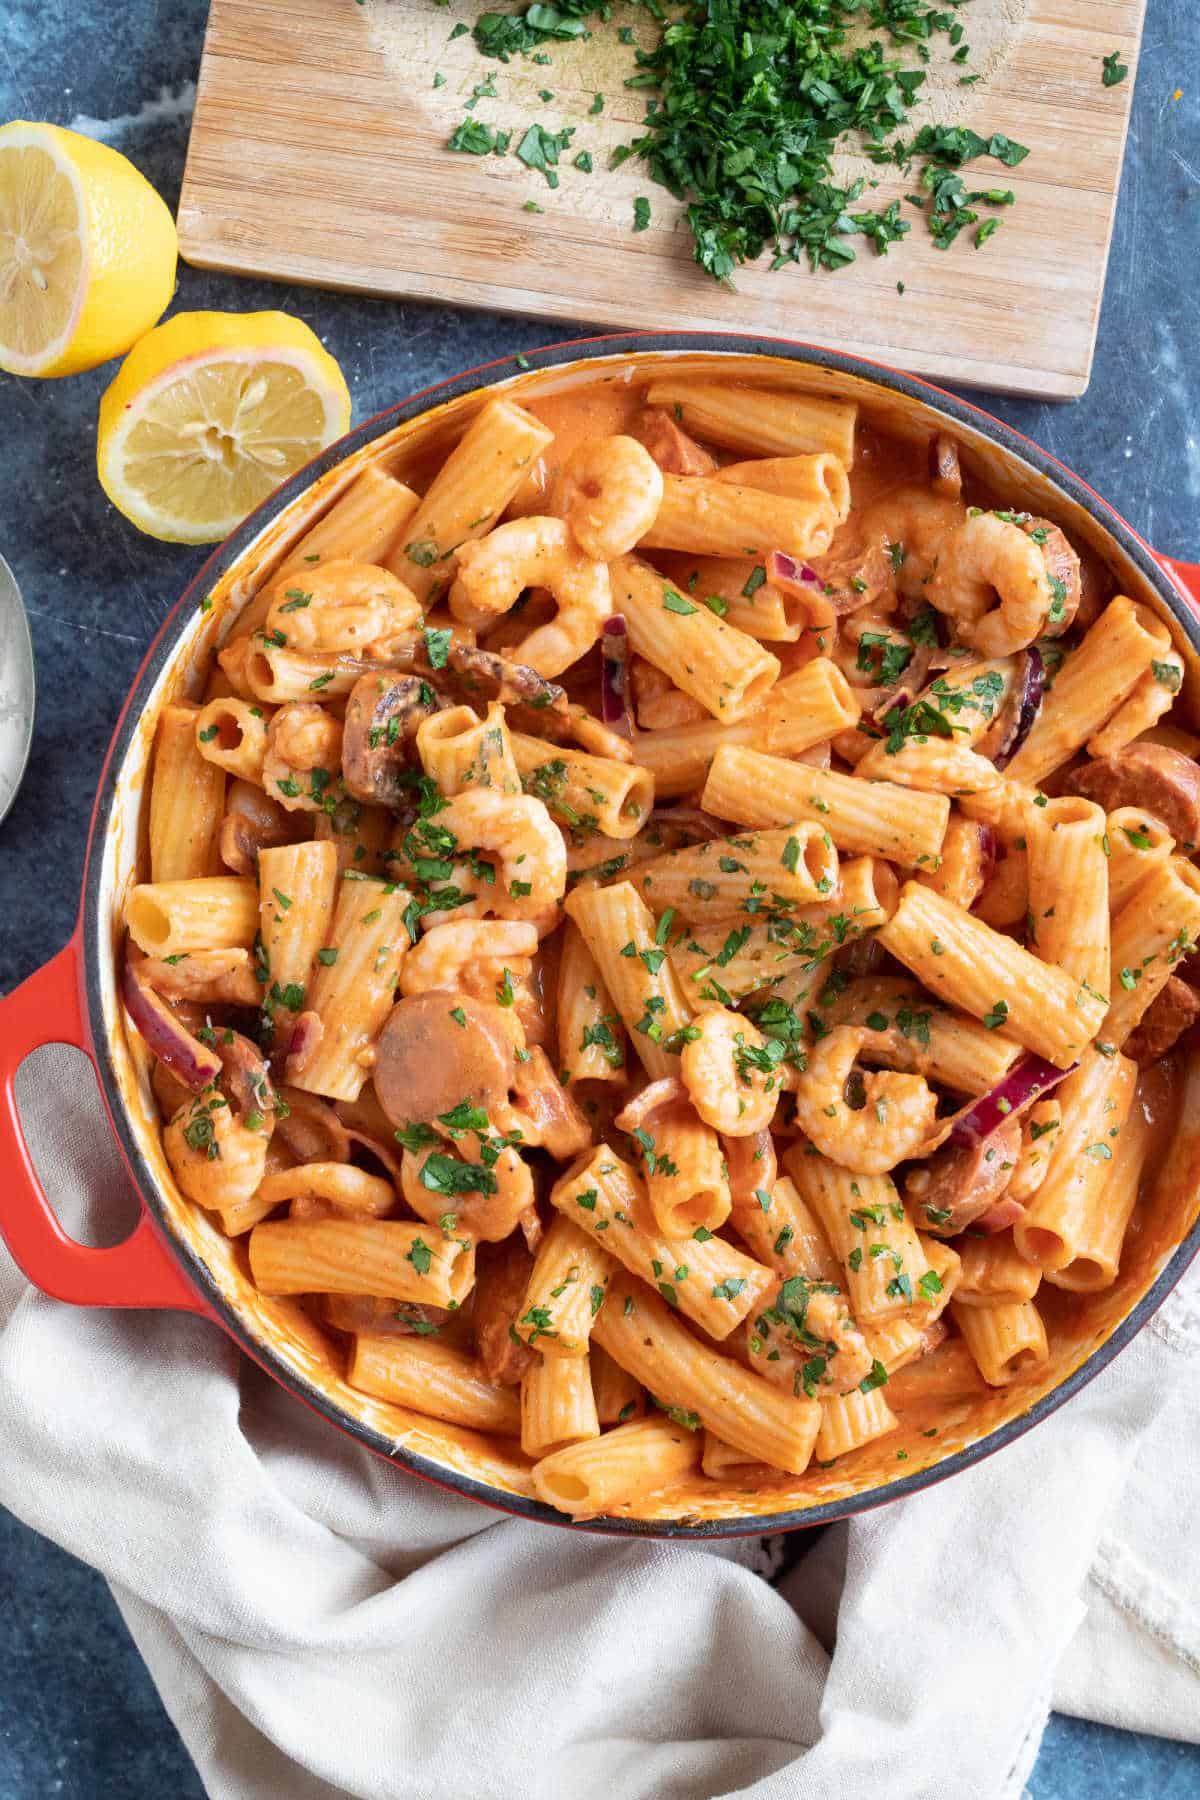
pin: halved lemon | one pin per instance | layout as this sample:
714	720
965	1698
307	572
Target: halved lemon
87	251
208	414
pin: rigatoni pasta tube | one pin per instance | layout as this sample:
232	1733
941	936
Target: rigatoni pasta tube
296	885
351	993
895	1342
232	733
363	523
803	709
759	421
169	918
635	1459
869	1229
275	673
726	671
388	1257
591	1037
1089	687
742	594
965	962
557	1405
818	478
687	1182
994	1273
1138	844
187	796
1006	1341
848	1421
715	518
707	1279
589	793
618	1396
945	1047
459	750
1068	889
1098	1243
566	1290
1154	930
780	1229
719	1459
643	1335
468	493
788	955
434	1379
864	818
1095	1103
725	877
643	984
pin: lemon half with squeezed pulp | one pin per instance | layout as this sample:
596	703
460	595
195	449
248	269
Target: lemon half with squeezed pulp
87	251
208	413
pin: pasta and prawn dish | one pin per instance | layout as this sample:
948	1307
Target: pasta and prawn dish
669	938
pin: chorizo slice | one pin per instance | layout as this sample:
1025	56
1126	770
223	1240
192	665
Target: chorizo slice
960	1183
502	1274
1062	572
669	444
1171	1013
1156	780
438	1049
383	714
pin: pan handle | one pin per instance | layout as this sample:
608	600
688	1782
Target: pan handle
141	1272
1186	576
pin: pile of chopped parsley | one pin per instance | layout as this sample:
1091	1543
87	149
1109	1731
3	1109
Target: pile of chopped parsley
748	100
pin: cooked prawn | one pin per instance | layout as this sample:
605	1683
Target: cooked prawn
912	524
302	767
732	1078
217	1142
344	606
609	492
537	552
437	1188
216	977
485	958
987	556
897	1116
517	834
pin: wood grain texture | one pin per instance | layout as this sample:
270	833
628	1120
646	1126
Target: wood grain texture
317	155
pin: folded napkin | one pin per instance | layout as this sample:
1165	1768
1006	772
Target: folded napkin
322	1625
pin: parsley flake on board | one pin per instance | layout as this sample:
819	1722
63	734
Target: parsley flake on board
751	102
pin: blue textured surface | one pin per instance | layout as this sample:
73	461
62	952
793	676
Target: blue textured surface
78	1714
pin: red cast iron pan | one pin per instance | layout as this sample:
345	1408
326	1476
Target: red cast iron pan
61	1002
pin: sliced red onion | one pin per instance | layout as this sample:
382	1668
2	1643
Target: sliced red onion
801	579
986	838
1023	706
1029	1078
306	1035
190	1061
614	678
782	567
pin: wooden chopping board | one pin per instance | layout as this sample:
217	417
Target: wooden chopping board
317	155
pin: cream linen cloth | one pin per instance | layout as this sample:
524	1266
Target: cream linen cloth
321	1625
